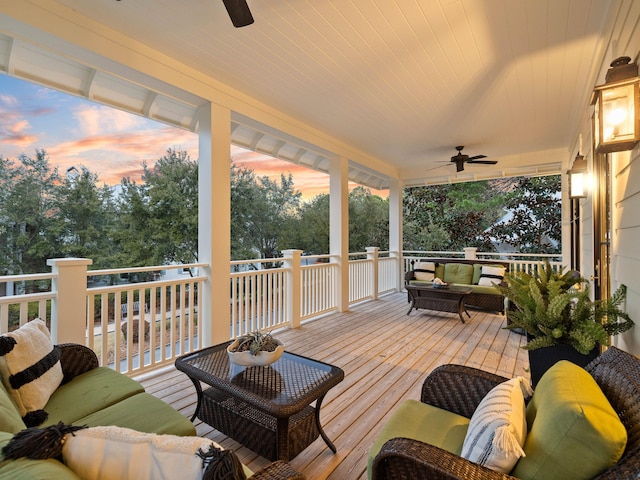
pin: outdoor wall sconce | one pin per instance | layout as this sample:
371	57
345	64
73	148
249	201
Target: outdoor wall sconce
578	177
617	120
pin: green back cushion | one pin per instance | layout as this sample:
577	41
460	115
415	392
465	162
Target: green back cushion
440	271
458	273
574	433
420	421
10	419
477	271
88	393
142	412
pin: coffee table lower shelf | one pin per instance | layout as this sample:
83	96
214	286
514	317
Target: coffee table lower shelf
257	430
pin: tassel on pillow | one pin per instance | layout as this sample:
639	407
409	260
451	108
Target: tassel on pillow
115	453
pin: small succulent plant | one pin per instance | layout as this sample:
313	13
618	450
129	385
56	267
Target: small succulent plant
256	342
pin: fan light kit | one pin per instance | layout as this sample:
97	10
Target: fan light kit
460	159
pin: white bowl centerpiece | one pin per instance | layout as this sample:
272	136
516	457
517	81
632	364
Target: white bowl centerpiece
255	349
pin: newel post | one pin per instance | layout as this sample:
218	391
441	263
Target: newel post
69	307
470	253
372	254
294	290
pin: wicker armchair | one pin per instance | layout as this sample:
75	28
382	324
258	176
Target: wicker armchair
459	389
78	359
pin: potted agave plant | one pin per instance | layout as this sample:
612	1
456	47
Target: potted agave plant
255	349
559	318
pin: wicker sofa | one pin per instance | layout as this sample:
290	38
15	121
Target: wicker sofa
460	389
94	396
483	297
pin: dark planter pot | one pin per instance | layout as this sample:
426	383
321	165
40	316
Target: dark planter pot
542	359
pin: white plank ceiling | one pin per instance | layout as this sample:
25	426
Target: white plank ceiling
404	81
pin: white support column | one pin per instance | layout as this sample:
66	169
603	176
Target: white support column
395	229
69	307
214	221
294	292
339	227
372	254
470	253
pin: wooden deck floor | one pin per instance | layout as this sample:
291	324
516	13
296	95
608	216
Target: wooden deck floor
385	355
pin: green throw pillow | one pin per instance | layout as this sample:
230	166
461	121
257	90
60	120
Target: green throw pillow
574	433
458	273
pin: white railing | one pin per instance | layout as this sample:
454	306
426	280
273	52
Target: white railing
16	310
135	327
318	286
360	278
519	262
258	297
387	274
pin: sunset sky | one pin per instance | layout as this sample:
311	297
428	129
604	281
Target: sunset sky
110	142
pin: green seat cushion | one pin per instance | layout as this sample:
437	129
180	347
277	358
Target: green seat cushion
25	469
485	289
10	419
88	393
142	412
574	433
420	421
458	273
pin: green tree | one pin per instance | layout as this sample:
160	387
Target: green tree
87	217
312	232
171	188
451	216
133	236
535	208
30	231
368	220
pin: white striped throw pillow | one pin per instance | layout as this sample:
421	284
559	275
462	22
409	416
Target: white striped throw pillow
425	271
491	275
498	427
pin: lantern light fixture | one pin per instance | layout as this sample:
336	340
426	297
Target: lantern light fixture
617	105
578	177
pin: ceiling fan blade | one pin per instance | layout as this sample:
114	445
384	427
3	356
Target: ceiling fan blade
238	12
477	157
484	162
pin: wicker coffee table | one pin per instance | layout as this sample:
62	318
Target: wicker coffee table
450	299
267	409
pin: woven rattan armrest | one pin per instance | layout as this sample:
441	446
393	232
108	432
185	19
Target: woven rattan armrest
457	388
407	459
278	470
76	359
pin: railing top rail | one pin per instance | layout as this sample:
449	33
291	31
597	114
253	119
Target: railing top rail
27	297
257	260
483	254
429	252
27	277
266	271
536	255
326	255
112	271
141	285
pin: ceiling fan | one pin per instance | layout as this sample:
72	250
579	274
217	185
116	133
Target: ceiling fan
238	12
460	159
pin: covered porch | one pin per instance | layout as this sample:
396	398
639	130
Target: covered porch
385	354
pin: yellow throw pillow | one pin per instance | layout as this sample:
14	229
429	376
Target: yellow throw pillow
574	432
